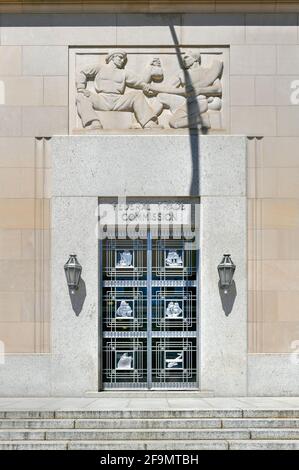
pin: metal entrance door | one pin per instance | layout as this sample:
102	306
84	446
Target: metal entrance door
149	310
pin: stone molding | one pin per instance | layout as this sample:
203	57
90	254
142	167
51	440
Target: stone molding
146	6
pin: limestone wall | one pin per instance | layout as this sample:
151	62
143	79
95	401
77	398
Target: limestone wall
34	82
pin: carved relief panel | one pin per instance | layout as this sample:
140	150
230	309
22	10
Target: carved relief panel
149	88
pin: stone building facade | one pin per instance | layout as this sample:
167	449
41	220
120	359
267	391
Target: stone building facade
67	142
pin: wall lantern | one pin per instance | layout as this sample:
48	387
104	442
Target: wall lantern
73	270
226	271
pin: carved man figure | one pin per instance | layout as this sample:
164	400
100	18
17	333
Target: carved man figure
193	91
110	82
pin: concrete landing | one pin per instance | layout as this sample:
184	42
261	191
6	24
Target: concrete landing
151	394
152	401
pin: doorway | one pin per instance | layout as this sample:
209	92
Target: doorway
150	317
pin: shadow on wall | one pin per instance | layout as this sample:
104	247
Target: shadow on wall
78	297
228	299
143	19
192	108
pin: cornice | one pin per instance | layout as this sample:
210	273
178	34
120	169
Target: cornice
147	6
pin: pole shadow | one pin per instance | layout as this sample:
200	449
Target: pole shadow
192	108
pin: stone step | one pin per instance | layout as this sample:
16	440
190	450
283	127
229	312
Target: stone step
23	414
268	413
149	445
263	445
21	434
145	414
176	423
37	423
181	413
123	435
32	445
250	423
147	434
151	414
110	423
286	433
149	423
152	445
114	445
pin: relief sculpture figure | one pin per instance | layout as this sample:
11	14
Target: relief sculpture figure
189	96
110	82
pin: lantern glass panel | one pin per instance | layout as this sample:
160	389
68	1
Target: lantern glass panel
73	272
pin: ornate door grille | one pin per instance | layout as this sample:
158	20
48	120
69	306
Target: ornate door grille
149	314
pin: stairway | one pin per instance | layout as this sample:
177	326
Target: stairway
180	429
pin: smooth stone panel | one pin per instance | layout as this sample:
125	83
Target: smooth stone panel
58	29
17	152
10	248
267	28
123	166
132	165
253	60
287	60
40	121
274	374
22	91
24	213
253	120
74	316
287	90
223	166
35	378
205	28
277	91
288	120
10	60
11	121
140	29
265	90
56	91
223	316
242	90
17	183
45	60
